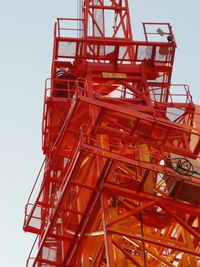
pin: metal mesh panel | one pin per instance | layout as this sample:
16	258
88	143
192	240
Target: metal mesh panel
109	49
49	254
123	53
144	52
36	218
35	223
67	49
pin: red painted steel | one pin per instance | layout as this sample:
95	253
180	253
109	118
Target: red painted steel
120	182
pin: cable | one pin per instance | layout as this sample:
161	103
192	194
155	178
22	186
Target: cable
183	166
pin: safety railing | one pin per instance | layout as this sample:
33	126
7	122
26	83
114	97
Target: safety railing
33	253
158	93
69	27
69	44
36	209
173	102
120	52
30	210
47	255
159	32
61	89
174	93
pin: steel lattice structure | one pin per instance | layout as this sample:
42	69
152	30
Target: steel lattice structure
120	182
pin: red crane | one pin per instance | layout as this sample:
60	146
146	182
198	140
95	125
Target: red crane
120	182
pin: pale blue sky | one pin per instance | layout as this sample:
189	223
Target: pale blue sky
25	56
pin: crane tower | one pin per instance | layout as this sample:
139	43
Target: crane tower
120	182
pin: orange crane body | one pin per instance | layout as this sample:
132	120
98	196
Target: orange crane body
120	182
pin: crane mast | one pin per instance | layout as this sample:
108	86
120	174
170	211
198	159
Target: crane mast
120	182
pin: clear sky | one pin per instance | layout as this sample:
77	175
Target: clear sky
26	29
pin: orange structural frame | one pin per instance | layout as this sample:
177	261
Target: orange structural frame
120	182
